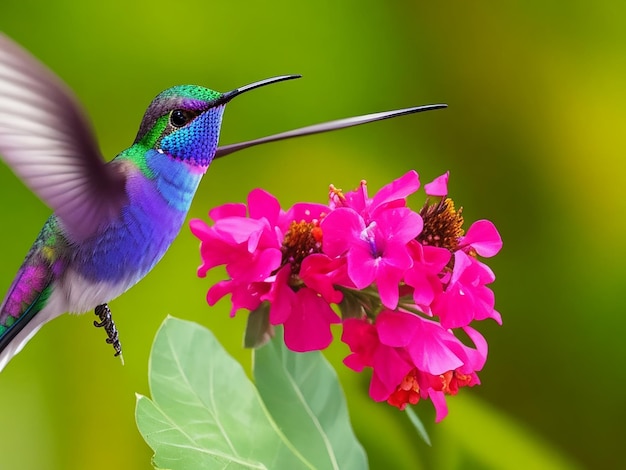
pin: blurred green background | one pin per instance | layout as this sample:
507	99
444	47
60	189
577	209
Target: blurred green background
537	95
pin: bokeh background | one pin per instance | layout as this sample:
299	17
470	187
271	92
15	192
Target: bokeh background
534	141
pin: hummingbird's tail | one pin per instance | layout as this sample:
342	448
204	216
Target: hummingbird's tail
26	306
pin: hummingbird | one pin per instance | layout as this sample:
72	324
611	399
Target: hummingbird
112	221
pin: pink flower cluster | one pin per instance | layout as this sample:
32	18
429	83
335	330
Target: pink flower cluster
401	280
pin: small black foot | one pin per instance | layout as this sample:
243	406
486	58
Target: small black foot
106	320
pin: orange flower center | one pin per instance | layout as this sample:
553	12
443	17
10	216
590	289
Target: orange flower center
302	239
408	392
453	380
442	225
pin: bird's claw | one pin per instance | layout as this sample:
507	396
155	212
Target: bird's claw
106	321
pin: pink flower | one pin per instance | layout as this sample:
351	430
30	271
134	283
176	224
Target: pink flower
466	297
392	195
262	248
412	358
375	252
249	247
402	281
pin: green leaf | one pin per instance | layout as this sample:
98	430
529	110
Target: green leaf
417	422
258	328
204	412
302	392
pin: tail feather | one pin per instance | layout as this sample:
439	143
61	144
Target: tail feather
21	311
27	329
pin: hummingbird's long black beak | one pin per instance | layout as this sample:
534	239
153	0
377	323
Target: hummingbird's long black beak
229	95
224	150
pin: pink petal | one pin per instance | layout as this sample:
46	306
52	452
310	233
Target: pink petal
242	295
354	362
424	291
379	390
199	228
262	204
341	228
397	256
255	268
321	273
477	357
228	210
397	189
396	329
424	288
483	237
423	276
308	326
215	252
399	224
238	229
357	199
429	350
387	280
390	368
217	291
462	262
361	338
454	308
362	267
439	186
282	298
484	301
485	273
436	257
439	402
306	212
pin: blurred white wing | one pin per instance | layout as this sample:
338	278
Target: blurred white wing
48	142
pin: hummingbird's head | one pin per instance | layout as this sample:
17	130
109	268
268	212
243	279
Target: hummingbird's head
184	121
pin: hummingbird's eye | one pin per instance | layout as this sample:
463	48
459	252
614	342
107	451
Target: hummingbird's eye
180	117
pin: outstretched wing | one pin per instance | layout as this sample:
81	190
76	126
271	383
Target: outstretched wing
48	142
325	127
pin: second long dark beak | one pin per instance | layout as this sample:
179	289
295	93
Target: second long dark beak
224	150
